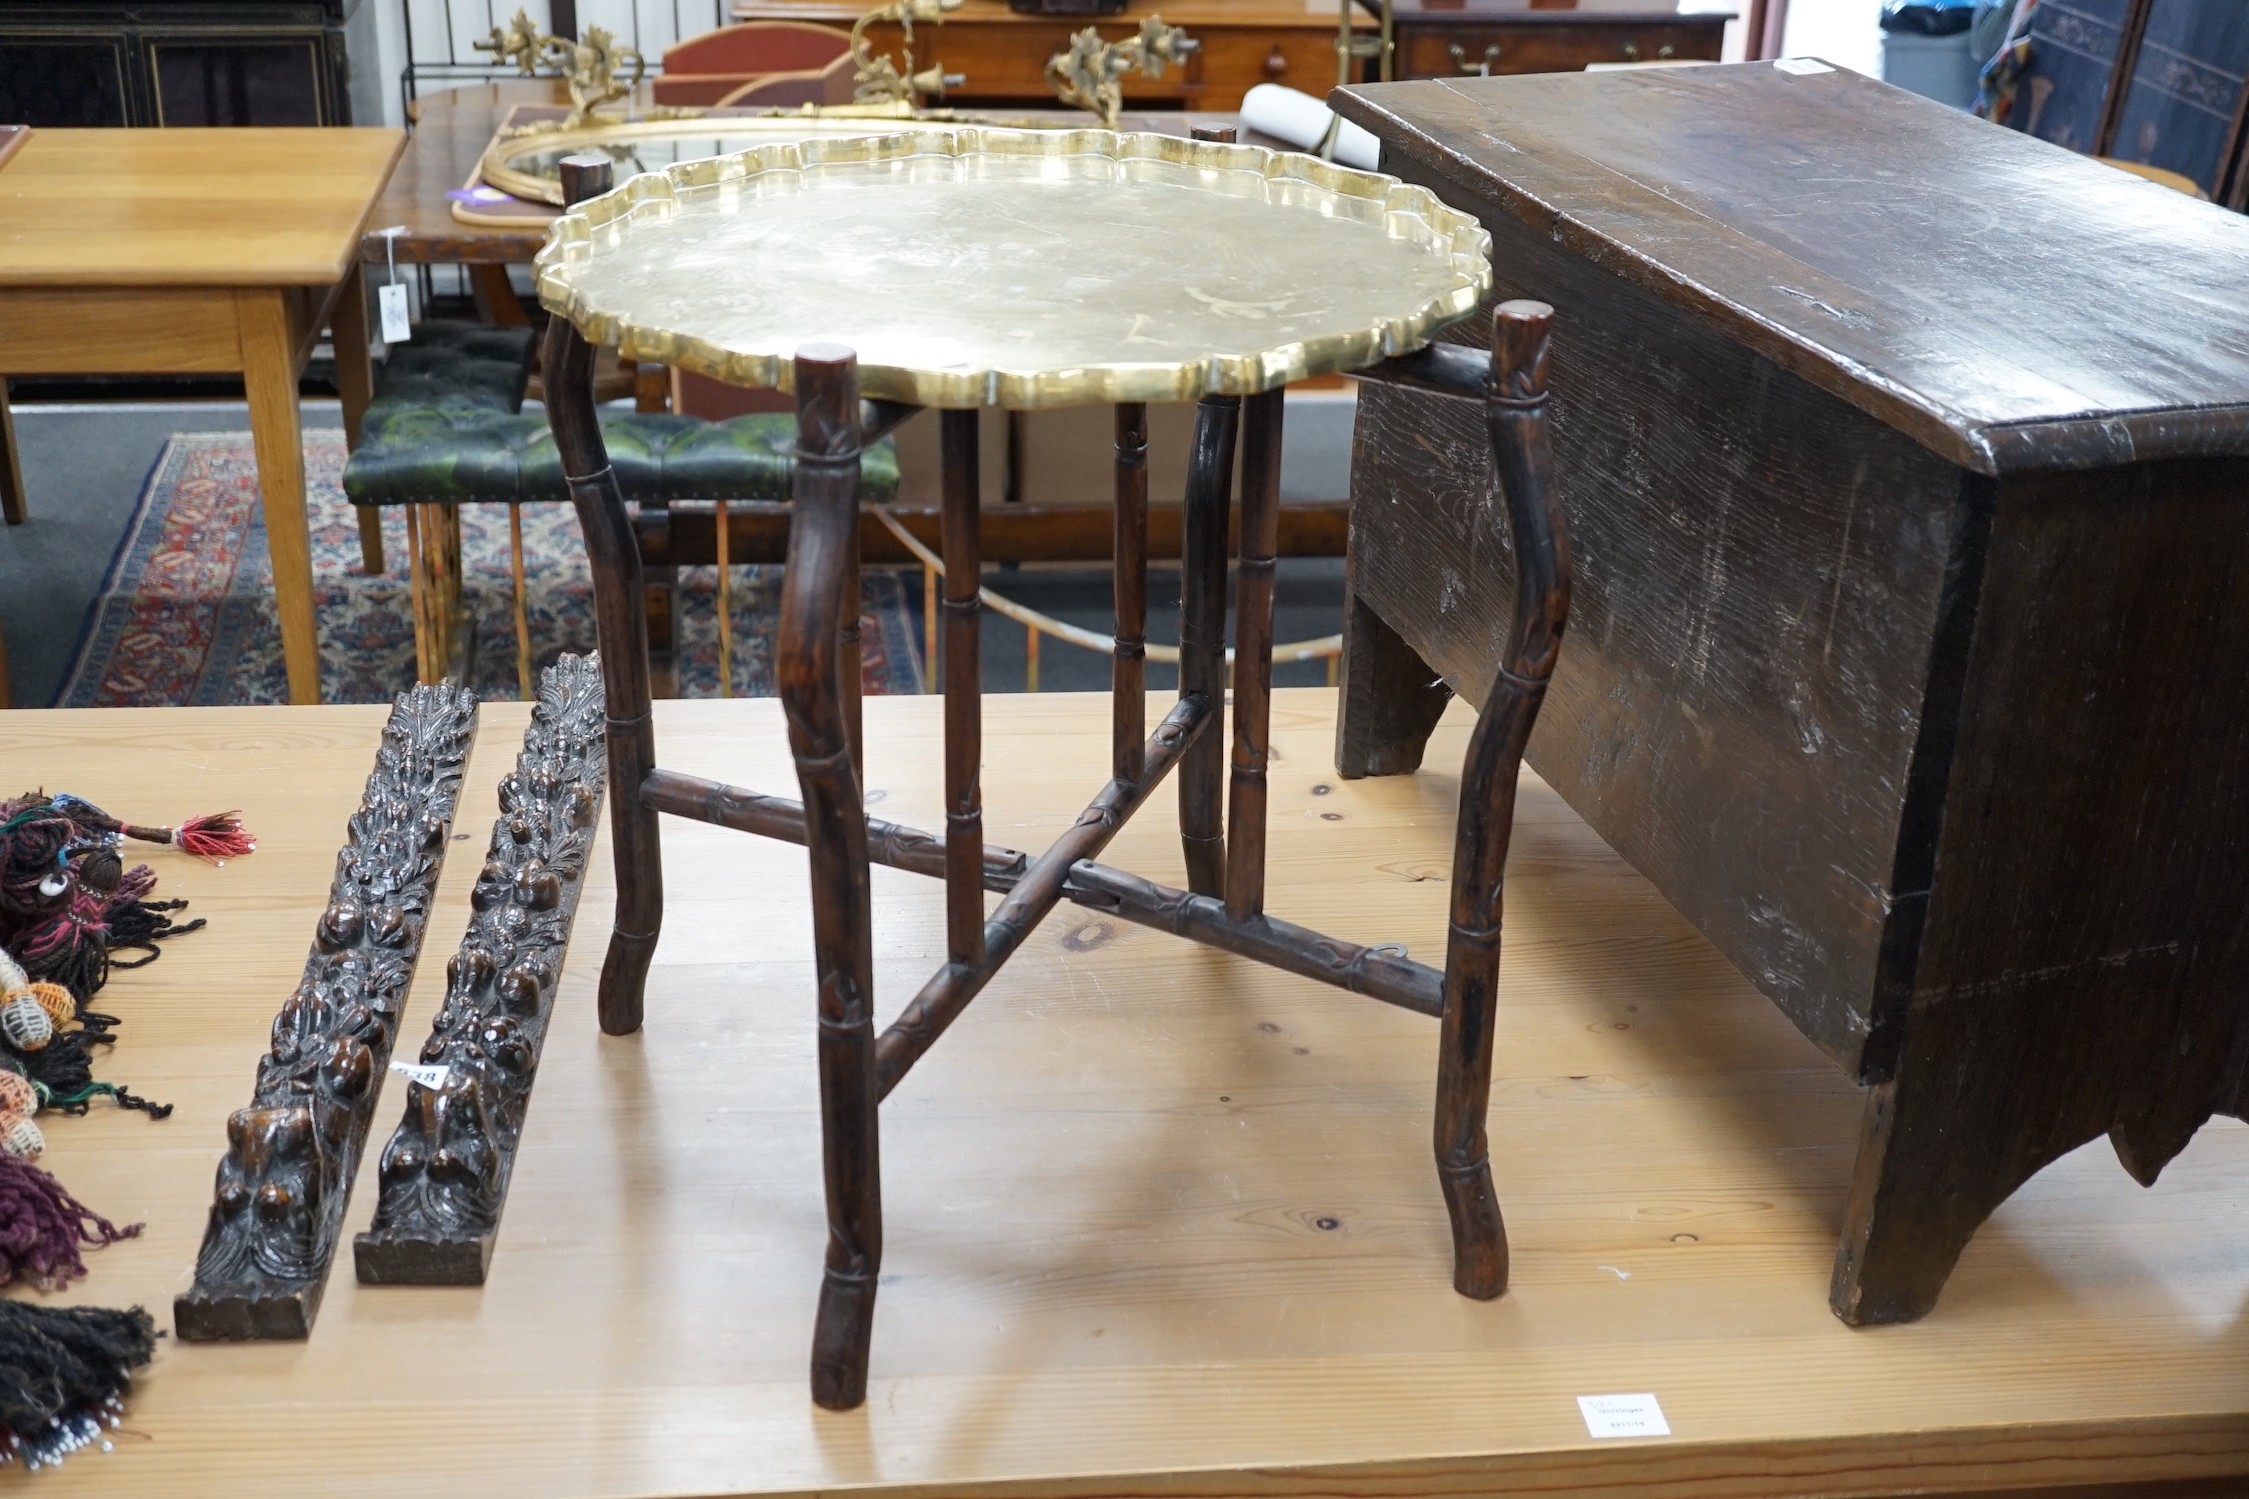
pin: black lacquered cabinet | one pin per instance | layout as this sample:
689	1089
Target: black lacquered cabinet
182	62
2161	82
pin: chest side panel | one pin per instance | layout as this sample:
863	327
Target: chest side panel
1759	570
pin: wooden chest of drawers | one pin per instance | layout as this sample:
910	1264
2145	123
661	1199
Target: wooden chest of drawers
1439	40
1003	54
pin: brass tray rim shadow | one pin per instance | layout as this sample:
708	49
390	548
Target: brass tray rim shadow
605	222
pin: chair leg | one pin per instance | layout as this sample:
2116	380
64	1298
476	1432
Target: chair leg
443	536
13	506
1202	639
371	541
818	594
660	596
1517	418
567	375
522	603
417	594
725	602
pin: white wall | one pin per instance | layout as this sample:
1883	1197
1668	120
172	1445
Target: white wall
1847	33
439	26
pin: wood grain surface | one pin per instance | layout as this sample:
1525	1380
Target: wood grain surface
2004	302
189	207
1761	573
451	129
1159	1221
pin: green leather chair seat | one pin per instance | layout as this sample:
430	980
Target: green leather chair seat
467	449
448	357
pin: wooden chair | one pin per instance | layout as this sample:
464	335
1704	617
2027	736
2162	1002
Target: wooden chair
833	84
707	69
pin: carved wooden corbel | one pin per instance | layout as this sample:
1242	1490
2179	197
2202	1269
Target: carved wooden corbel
291	1155
445	1171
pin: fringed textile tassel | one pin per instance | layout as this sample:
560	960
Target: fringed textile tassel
216	836
63	1074
64	1375
67	902
42	1227
70	945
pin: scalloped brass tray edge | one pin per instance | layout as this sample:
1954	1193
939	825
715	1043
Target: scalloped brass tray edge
571	238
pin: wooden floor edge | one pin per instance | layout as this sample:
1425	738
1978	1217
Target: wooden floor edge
2083	1459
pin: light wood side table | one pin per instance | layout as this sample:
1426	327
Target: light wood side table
198	252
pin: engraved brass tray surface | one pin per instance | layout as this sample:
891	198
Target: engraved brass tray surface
975	267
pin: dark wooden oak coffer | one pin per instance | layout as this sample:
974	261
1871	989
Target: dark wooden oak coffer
1906	460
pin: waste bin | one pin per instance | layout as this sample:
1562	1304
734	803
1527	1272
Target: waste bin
1943	68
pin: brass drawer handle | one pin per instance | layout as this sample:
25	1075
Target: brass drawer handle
1459	56
1664	52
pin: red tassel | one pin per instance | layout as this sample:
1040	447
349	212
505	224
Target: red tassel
217	837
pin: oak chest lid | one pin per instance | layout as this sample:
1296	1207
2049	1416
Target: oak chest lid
2006	303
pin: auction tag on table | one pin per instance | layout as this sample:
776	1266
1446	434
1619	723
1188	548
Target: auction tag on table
1623	1416
390	303
1801	65
434	1077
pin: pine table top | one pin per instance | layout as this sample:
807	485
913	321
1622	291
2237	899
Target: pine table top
1159	1222
189	207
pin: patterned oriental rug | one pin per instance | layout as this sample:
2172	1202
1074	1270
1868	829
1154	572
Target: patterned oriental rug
186	614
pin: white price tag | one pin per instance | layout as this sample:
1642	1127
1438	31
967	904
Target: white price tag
390	305
1801	65
1623	1416
428	1077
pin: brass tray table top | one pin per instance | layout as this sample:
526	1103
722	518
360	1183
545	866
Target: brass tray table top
977	266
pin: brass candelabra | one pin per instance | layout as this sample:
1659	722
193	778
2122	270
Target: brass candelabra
588	65
878	80
1090	74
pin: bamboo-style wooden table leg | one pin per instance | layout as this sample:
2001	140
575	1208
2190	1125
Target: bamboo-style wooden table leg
1202	623
1253	654
964	690
1202	639
823	554
1516	411
848	669
1128	669
566	374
